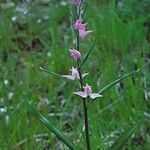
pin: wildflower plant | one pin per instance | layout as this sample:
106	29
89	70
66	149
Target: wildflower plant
85	90
77	73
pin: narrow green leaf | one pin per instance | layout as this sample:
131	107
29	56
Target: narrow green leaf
57	75
113	83
123	138
50	72
58	134
88	54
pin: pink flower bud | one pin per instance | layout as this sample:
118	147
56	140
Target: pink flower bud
75	54
79	25
75	2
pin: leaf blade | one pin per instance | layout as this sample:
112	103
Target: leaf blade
88	54
57	75
113	83
123	138
50	72
57	133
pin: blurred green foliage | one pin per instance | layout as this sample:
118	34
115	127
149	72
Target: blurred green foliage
38	33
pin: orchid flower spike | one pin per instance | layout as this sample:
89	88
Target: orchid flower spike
87	92
74	74
75	53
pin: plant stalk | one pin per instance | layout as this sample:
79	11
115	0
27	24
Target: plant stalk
85	108
86	124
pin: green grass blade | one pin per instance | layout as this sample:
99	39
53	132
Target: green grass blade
88	54
113	83
58	134
123	138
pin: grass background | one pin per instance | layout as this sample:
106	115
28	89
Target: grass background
38	33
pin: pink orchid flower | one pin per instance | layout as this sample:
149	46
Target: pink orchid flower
79	25
74	74
87	92
84	33
75	53
77	2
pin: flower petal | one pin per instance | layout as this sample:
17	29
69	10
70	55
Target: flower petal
68	77
80	93
95	95
84	33
75	53
84	74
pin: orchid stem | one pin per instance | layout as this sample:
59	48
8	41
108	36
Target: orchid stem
86	124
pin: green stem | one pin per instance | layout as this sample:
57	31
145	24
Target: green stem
86	124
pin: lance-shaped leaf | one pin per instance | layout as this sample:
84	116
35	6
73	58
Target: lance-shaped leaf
50	72
48	124
57	75
88	54
113	83
123	138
